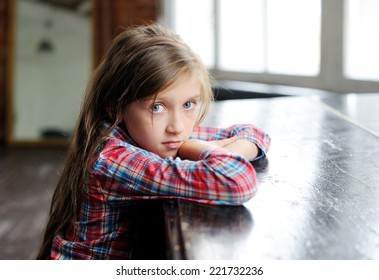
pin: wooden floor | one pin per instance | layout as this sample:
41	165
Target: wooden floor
27	180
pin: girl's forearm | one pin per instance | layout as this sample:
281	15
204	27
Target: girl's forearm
243	148
191	149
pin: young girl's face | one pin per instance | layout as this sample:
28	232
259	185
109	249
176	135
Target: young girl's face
162	125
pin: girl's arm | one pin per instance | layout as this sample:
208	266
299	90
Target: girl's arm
250	141
192	148
129	173
244	148
214	175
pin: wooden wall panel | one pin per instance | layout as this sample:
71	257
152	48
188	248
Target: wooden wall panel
112	16
3	67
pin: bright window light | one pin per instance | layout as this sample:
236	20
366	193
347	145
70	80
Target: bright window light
362	40
293	37
272	36
241	35
193	21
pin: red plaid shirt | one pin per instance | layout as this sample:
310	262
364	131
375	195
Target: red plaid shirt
123	173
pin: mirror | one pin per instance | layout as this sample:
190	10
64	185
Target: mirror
51	59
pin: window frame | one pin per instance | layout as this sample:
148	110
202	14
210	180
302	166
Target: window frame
331	76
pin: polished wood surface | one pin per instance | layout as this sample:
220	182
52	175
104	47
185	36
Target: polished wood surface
318	195
361	109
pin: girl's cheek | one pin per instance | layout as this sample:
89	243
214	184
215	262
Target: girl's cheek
192	113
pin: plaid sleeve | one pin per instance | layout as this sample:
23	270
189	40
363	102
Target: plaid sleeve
129	173
242	131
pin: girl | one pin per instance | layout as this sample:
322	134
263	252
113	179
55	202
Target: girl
138	137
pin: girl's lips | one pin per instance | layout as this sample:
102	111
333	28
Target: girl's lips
173	144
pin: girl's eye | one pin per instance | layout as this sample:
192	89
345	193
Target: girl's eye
189	105
157	108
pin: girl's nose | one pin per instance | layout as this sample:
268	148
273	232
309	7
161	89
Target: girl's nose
175	124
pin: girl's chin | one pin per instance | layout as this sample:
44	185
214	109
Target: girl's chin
172	154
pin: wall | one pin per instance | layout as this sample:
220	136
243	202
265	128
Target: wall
112	16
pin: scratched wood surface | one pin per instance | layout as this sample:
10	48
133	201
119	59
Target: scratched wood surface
318	195
361	109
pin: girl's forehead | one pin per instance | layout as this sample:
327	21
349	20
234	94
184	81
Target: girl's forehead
189	85
185	87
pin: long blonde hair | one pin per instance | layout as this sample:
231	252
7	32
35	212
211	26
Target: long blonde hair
140	62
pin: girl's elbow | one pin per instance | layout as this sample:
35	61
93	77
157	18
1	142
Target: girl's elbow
238	181
242	190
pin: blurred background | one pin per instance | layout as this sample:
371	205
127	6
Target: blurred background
48	49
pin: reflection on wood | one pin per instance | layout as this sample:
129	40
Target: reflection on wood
221	224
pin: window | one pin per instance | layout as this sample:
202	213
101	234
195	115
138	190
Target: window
362	40
241	36
330	45
193	20
273	40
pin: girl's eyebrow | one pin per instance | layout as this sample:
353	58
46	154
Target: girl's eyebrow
151	99
197	96
147	99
